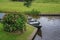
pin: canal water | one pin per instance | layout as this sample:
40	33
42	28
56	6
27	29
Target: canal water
50	28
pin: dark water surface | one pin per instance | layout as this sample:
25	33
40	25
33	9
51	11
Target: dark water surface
50	28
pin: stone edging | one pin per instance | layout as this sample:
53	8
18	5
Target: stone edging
31	37
49	14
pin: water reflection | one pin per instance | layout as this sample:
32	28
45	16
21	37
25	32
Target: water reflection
50	28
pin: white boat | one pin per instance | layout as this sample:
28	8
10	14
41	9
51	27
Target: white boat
34	22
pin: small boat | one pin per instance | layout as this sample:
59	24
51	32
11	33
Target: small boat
34	22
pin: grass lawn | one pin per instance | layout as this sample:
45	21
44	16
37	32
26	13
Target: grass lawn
10	36
9	6
19	7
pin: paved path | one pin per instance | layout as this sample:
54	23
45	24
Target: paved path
50	28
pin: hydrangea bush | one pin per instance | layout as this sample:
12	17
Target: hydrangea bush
14	22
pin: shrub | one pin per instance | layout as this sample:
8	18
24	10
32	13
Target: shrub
33	12
27	3
18	0
14	22
14	0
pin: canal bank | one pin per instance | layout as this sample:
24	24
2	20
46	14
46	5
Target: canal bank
50	29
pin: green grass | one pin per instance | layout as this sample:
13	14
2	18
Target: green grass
11	36
4	0
19	7
47	1
8	6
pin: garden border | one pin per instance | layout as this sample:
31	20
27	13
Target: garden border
32	36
